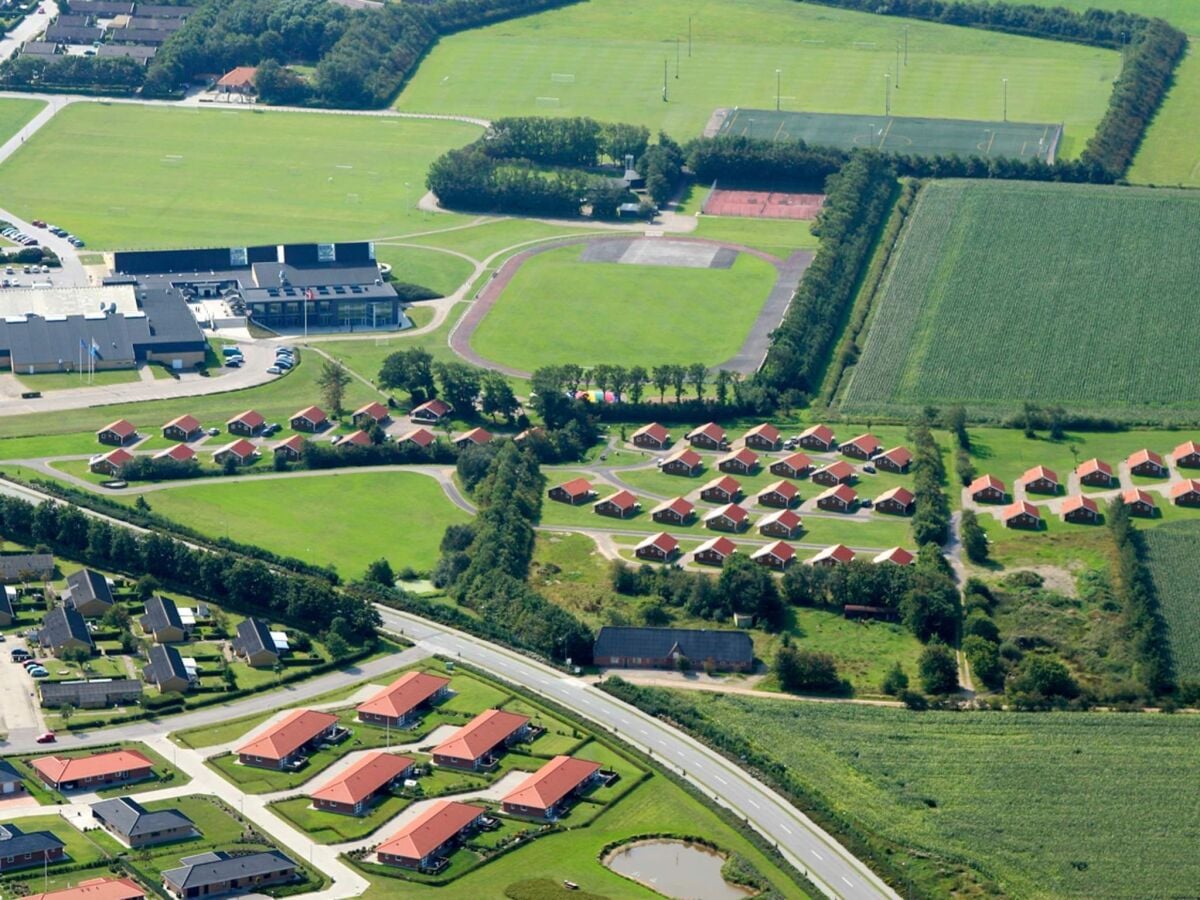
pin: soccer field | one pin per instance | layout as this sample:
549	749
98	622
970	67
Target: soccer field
123	176
897	134
1003	292
605	59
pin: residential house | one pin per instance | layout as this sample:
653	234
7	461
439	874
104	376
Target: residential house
988	489
162	621
476	437
620	646
422	842
354	791
291	449
238	80
310	419
764	437
92	772
546	794
8	612
620	505
838	554
862	447
780	494
839	472
111	463
374	413
135	826
399	704
167	671
247	424
21	850
819	437
896	460
179	453
88	593
1080	509
475	745
420	438
1141	503
730	517
216	873
714	552
724	489
897	556
573	492
357	438
652	437
838	499
102	694
1096	473
741	462
708	437
255	644
899	501
660	547
17	567
1040	480
774	556
684	461
1187	455
241	452
95	889
284	744
673	512
64	629
1186	492
183	428
11	781
1147	463
794	465
1022	514
116	433
431	411
786	523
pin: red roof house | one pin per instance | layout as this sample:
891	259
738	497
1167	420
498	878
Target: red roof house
476	437
92	772
357	438
1186	492
1040	480
421	843
838	554
743	462
179	453
374	413
895	460
838	499
247	424
684	461
1080	509
421	438
819	437
353	791
472	746
786	523
840	472
116	433
724	489
310	419
652	437
431	411
1095	472
1022	514
774	556
709	437
292	448
780	494
577	490
673	512
659	547
95	889
899	501
544	794
730	517
897	556
1187	455
763	437
1147	463
284	742
620	505
183	428
988	489
862	447
794	465
715	551
240	451
1141	503
112	462
397	704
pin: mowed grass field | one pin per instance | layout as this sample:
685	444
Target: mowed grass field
123	176
1174	551
1003	292
345	519
559	309
15	113
1051	805
605	59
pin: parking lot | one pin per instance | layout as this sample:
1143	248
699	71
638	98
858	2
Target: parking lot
18	703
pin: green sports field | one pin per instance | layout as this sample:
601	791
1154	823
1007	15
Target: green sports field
1003	292
1174	551
898	134
605	59
558	310
321	518
14	114
123	176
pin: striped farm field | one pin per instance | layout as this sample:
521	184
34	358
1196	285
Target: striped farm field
1174	555
1002	292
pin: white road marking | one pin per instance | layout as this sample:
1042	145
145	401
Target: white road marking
752	803
785	828
722	780
848	881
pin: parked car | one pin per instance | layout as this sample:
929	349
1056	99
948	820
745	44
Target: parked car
274	370
234	362
39	672
283	364
869	469
38	223
32	664
47	738
20	654
867	504
272	428
76	242
213	432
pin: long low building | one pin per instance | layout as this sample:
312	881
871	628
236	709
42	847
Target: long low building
92	772
217	873
475	744
420	843
546	793
662	648
397	704
90	694
354	790
284	743
95	889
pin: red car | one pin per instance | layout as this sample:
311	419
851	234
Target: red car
47	738
38	223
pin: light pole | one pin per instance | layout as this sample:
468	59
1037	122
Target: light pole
897	64
677	57
689	37
778	75
1005	80
906	45
887	94
664	79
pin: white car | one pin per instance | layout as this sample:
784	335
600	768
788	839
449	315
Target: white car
274	370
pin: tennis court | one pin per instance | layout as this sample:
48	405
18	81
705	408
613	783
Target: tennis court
893	134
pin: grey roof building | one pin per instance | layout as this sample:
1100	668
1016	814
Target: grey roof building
74	34
139	35
90	694
73	21
138	827
39	48
166	669
254	642
152	23
162	620
102	8
7	613
10	778
218	872
88	593
26	566
64	628
662	647
131	51
18	849
164	12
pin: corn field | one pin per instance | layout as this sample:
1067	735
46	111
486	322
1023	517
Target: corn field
1003	292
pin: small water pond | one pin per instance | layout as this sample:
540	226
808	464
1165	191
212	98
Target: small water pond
675	869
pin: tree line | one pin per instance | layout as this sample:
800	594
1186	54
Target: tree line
85	74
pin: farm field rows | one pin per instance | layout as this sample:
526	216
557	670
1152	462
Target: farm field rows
1075	804
1033	319
605	59
1174	550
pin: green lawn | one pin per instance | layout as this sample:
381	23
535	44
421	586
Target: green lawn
91	849
61	381
1174	551
350	519
15	113
649	315
1079	805
1169	153
438	271
163	774
1034	320
778	237
334	828
605	59
207	178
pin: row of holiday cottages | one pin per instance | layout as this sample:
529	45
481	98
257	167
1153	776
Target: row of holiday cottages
779	555
712	436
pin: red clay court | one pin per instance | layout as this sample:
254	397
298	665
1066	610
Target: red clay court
762	204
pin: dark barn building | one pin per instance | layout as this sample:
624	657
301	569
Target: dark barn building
660	648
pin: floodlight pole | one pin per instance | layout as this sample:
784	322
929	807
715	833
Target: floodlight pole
906	45
897	64
887	94
676	57
664	79
778	73
689	37
1005	80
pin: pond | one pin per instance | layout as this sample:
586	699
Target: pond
675	869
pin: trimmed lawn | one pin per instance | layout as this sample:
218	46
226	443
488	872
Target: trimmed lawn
652	314
14	114
334	828
200	177
163	773
441	272
495	235
61	381
1174	556
605	59
1169	154
251	511
779	237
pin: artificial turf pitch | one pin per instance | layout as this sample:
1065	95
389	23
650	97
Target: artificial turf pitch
895	134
